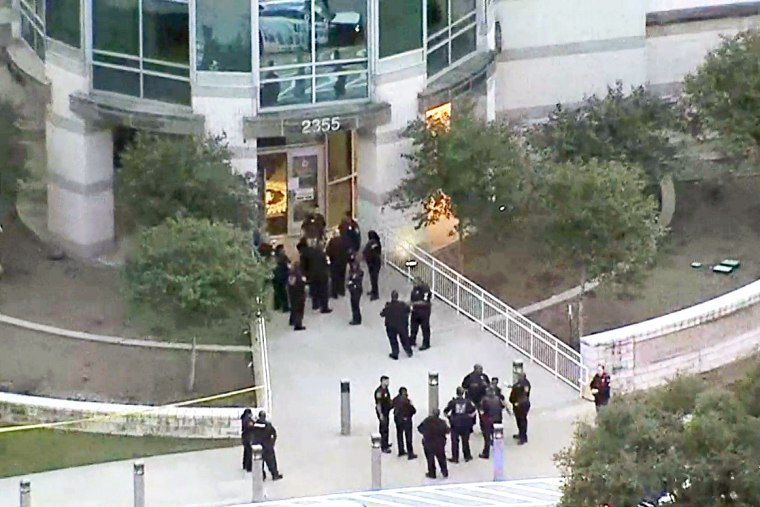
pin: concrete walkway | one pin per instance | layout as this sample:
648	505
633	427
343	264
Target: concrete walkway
306	370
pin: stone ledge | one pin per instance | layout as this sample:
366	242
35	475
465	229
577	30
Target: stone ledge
459	80
127	420
109	109
737	10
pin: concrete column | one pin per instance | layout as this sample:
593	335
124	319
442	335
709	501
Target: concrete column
25	493
498	452
139	484
257	476
345	407
432	391
376	462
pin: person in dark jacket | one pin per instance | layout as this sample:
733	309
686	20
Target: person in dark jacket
319	271
396	315
600	388
491	409
383	407
264	434
304	256
461	413
314	225
497	390
246	433
297	295
355	288
475	384
434	431
349	229
519	397
373	256
280	279
339	252
403	411
421	299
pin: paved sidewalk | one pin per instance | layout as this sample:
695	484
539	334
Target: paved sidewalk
306	370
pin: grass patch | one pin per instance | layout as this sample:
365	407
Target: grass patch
27	452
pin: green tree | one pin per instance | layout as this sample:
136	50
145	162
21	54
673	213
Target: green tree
12	153
163	177
465	168
637	128
196	272
699	442
597	216
724	93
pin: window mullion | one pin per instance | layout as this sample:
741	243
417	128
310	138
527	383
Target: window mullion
141	48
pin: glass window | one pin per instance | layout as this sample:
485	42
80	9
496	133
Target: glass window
62	21
166	90
450	40
32	26
166	31
437	16
116	26
223	35
400	26
312	51
437	60
274	166
464	44
461	8
116	80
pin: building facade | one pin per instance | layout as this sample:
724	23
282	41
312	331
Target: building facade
312	95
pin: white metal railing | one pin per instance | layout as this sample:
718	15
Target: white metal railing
261	338
493	315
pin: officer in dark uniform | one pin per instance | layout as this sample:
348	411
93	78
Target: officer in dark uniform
338	251
475	384
497	390
491	409
355	289
383	406
461	414
280	279
421	299
600	388
396	315
313	226
349	229
373	256
246	434
519	397
434	431
297	294
320	275
403	411
304	256
265	435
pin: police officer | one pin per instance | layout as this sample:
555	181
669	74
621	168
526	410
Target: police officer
355	289
246	434
313	226
297	294
338	251
373	256
280	279
421	306
475	384
600	388
519	397
396	315
434	431
403	411
349	229
319	278
265	435
497	390
383	406
490	413
461	414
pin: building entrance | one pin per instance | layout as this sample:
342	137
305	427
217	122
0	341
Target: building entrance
303	178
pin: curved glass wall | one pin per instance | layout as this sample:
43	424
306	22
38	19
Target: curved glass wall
400	23
33	25
141	48
452	32
223	35
62	21
312	51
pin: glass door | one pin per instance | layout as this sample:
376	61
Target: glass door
305	187
341	176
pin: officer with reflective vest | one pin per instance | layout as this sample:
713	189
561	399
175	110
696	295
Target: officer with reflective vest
461	413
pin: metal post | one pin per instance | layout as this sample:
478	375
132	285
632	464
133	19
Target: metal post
257	475
498	452
517	369
139	484
345	407
25	489
377	478
432	391
458	286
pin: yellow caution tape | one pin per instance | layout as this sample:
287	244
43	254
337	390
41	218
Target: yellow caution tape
26	427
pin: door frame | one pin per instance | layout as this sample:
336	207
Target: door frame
294	229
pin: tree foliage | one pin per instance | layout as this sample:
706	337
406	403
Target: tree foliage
635	128
196	271
12	153
163	177
724	93
699	442
466	168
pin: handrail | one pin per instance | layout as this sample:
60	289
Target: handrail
492	314
261	334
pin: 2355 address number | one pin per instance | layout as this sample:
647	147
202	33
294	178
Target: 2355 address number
321	125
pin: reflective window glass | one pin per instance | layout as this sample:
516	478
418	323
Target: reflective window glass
437	16
166	90
223	35
400	26
464	44
116	80
452	33
437	60
62	21
166	31
461	8
116	26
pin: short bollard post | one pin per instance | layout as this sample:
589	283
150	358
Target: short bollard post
26	494
257	474
377	477
345	407
432	392
498	452
139	484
